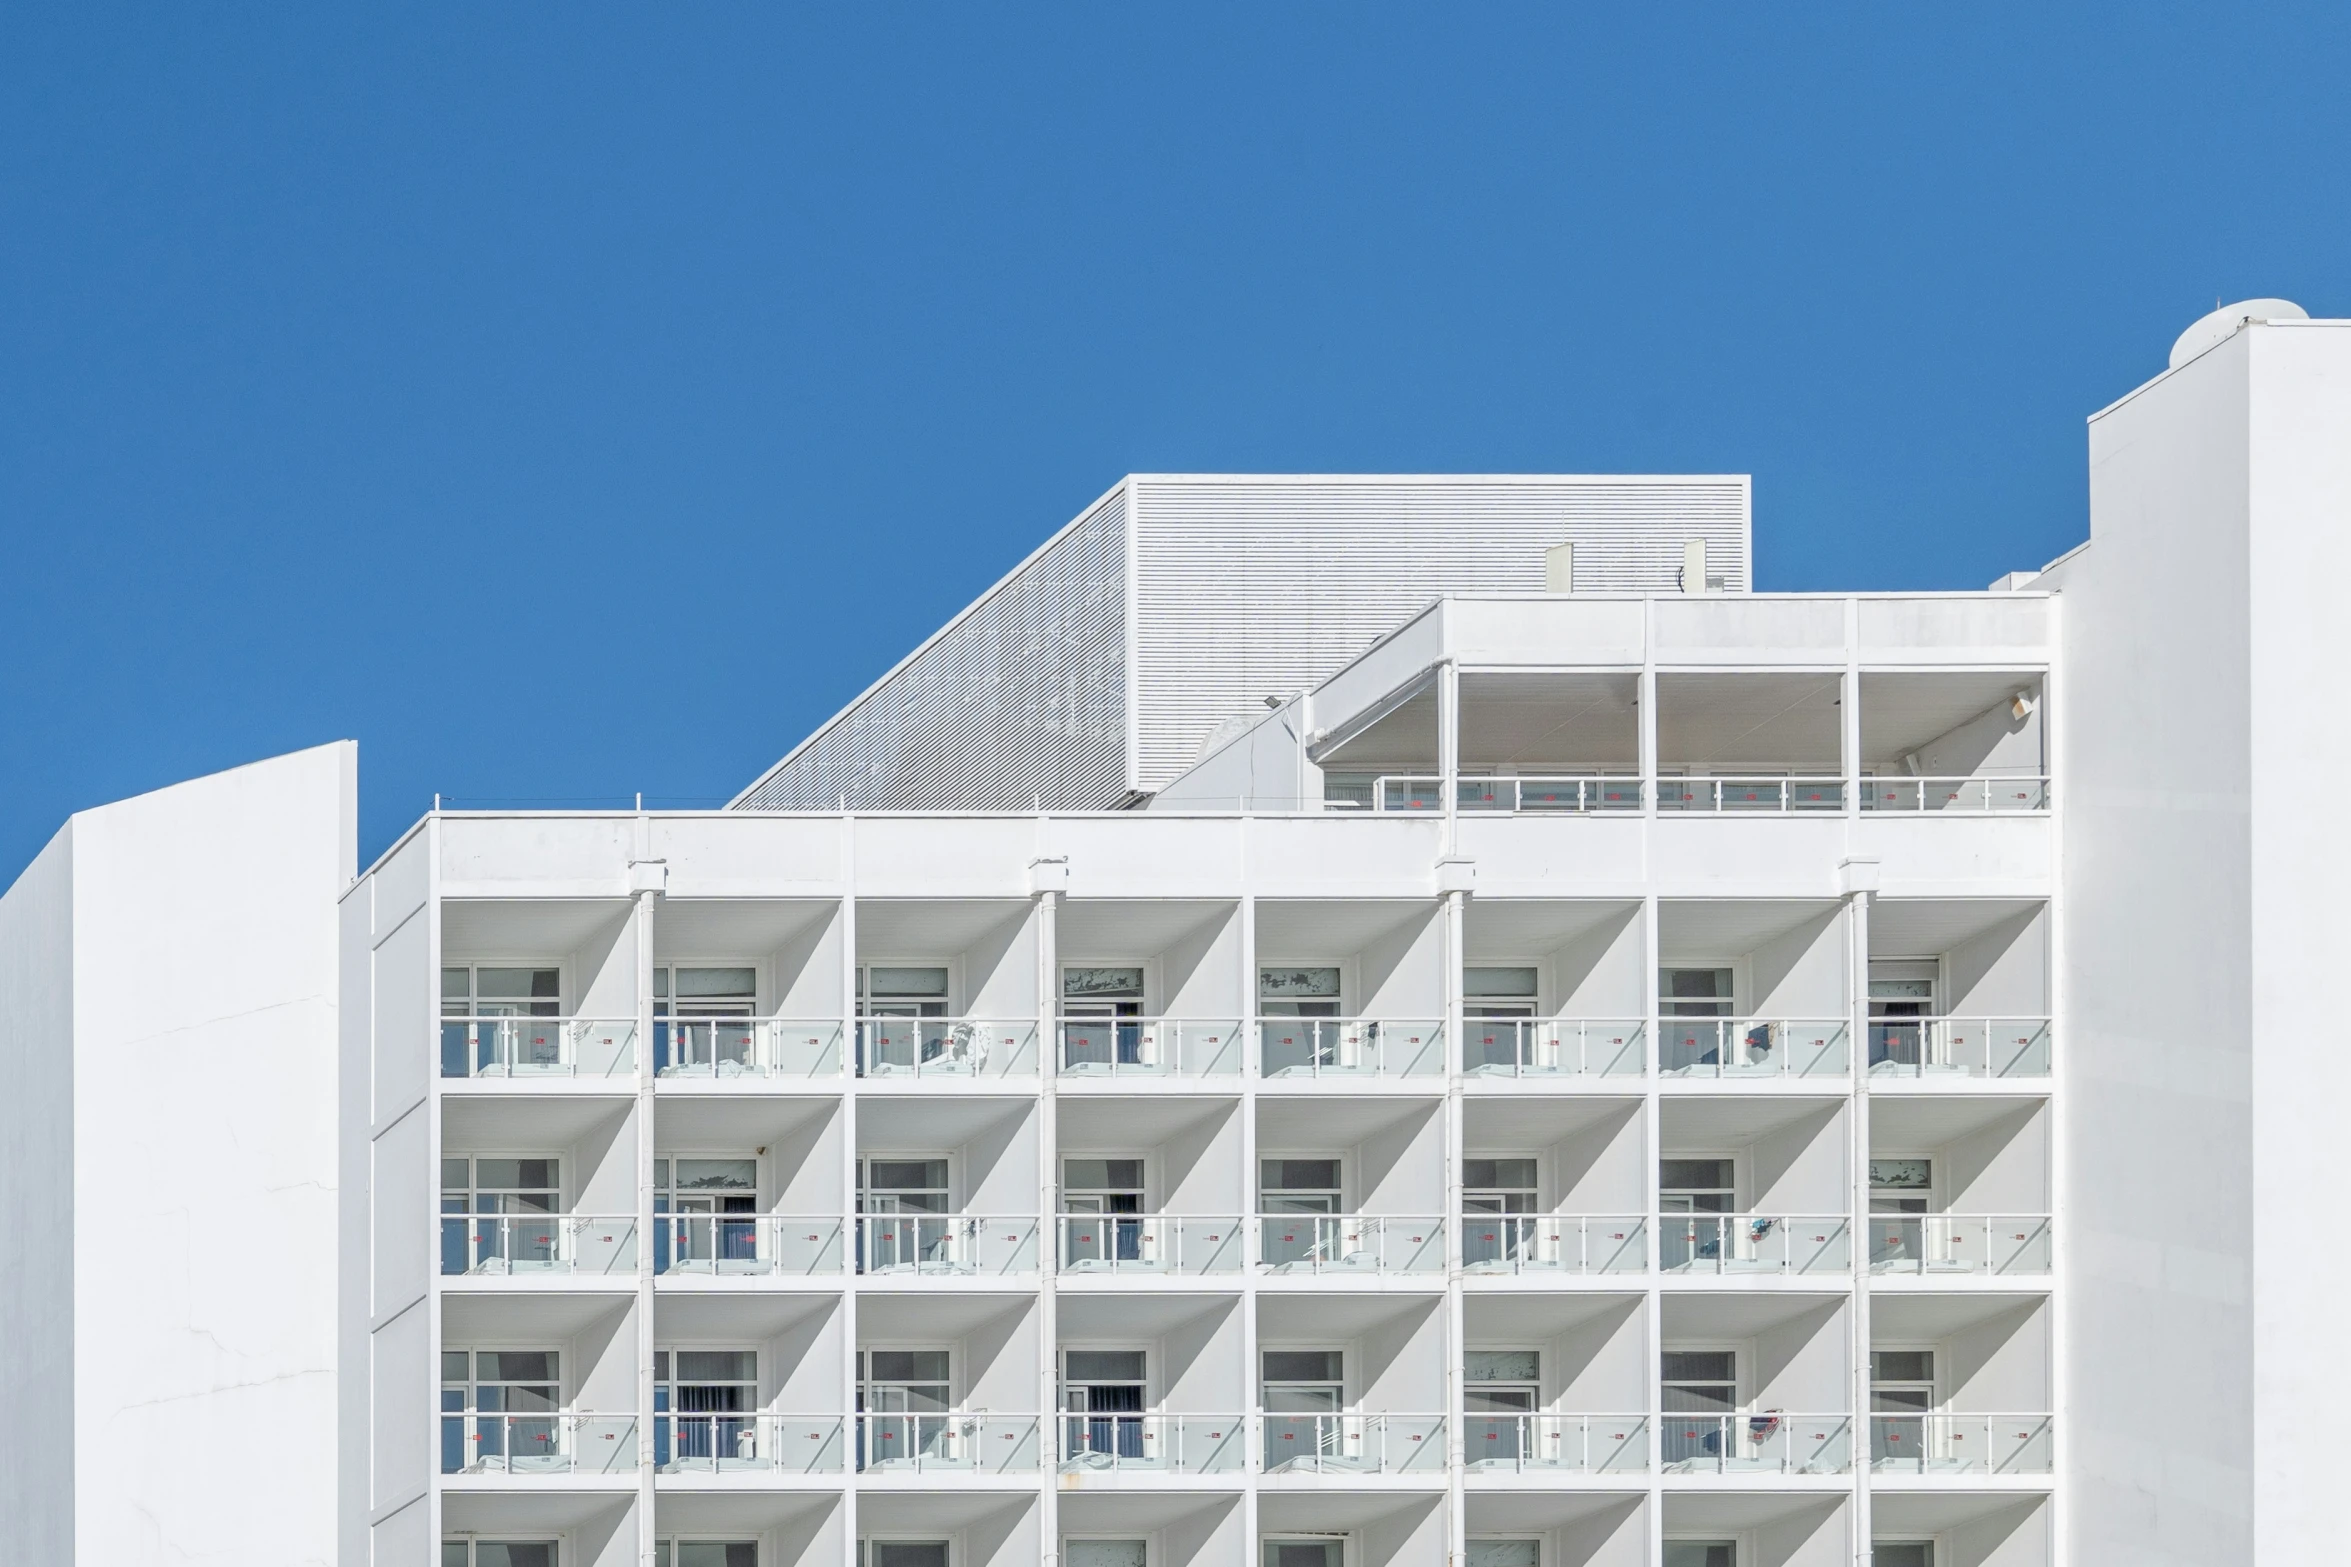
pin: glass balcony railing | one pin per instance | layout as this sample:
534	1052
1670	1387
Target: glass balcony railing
1968	796
1553	1243
1152	1444
1955	1243
685	1048
1350	1047
499	1245
1754	1243
1754	1047
749	1444
523	1047
1150	1047
1571	795
1932	1444
1351	1243
1751	796
1555	1444
947	1443
1767	1443
1959	1047
686	1244
1346	1444
1554	1047
538	1444
945	1243
946	1047
1146	1243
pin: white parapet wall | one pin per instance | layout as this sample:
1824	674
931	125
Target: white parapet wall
167	1161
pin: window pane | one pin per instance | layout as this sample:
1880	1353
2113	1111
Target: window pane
1902	1174
1491	1174
1696	984
1501	1365
517	1365
1302	1365
717	1365
1700	1365
1102	1553
1694	1175
717	1175
1498	982
1103	1365
1505	1553
514	1553
1902	1553
1291	984
455	1554
1302	1553
1096	1175
718	1553
511	1175
735	984
515	984
910	1365
453	1365
1301	1175
1902	1365
906	1175
1084	983
455	988
453	1175
909	982
909	1553
1701	1553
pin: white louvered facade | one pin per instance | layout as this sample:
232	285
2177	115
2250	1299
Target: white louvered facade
1103	662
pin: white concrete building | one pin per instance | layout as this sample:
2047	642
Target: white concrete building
1609	1073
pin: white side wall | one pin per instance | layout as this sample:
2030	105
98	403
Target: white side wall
204	1165
36	1194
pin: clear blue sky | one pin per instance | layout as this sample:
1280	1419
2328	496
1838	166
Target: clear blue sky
572	400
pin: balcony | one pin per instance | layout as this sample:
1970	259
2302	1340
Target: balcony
485	1245
539	1444
947	1444
1152	1243
1556	1444
1495	1243
1766	796
745	1245
687	1048
1153	1444
1928	1047
1353	1444
749	1444
952	1245
1150	1047
1766	1443
946	1047
1754	1047
1546	795
1554	1047
1754	1244
1943	1444
537	1047
1970	796
1351	1243
1350	1047
1941	1244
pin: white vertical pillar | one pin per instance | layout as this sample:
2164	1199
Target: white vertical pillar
1252	1435
1645	713
1861	881
1456	1453
648	1541
1652	1305
1449	743
1047	915
850	1242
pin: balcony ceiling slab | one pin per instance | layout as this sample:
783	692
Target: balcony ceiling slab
725	1321
1126	1317
1522	1123
1313	1123
931	1318
1688	1513
1710	930
1101	1513
1929	927
1730	722
1894	1513
721	928
1527	722
1404	738
1326	1319
1113	1123
1894	1318
512	1513
912	1513
527	928
746	1512
931	927
1729	1121
1901	712
912	1124
1513	1512
510	1122
1115	930
1320	1511
1494	1318
525	1319
1526	927
728	1124
1728	1315
1923	1122
1328	930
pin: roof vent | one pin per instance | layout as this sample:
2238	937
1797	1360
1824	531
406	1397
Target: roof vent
2217	328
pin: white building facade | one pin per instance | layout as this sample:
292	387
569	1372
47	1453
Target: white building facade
1576	1071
